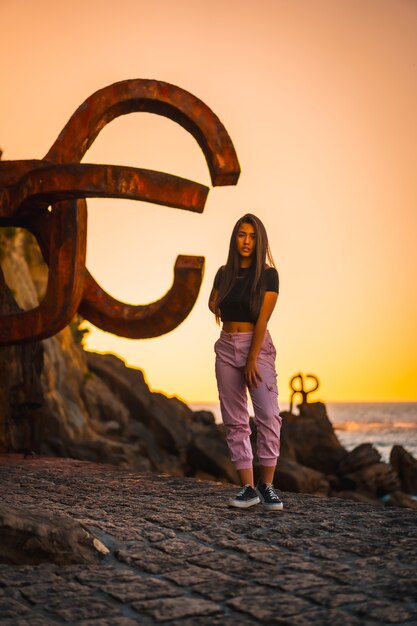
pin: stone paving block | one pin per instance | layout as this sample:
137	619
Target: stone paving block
213	585
185	548
113	621
97	576
323	617
388	612
157	533
329	571
290	544
254	549
230	619
175	520
404	587
9	607
273	576
32	620
84	608
271	607
175	608
243	521
334	597
214	534
324	552
293	582
42	594
148	559
292	563
120	531
144	588
217	591
26	575
225	562
265	555
192	575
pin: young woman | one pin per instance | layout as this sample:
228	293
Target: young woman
244	295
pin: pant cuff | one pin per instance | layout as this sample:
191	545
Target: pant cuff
243	465
268	462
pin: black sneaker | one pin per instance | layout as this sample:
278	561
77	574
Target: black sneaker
269	498
245	498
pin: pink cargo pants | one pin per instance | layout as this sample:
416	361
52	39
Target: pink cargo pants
232	350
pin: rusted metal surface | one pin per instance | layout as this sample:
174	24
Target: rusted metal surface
151	96
62	183
66	229
141	321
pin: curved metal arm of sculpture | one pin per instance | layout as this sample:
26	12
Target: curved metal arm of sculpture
78	135
295	391
67	229
151	96
126	320
54	183
304	392
135	321
149	320
317	383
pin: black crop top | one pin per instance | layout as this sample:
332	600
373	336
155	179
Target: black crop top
235	306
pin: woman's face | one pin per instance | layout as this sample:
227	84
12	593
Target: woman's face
246	241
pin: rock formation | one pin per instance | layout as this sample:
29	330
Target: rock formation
405	466
309	438
313	461
20	388
33	537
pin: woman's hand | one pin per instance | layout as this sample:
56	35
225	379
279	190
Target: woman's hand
252	375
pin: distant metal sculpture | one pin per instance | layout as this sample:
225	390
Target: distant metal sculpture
304	392
47	197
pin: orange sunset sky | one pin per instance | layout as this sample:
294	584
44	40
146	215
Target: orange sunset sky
320	99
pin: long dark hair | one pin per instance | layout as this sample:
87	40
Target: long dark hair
231	269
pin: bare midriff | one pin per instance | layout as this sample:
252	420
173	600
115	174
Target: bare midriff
238	327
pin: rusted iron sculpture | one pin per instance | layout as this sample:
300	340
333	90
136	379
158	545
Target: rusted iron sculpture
304	392
47	197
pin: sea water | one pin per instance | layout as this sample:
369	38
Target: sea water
383	424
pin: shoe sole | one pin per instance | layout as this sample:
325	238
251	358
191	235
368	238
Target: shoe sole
270	507
273	507
244	505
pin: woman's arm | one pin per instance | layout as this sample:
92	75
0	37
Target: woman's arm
252	375
212	303
212	300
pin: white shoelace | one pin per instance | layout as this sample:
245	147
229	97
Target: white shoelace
271	493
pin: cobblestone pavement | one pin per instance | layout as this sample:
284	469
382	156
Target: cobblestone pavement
180	556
